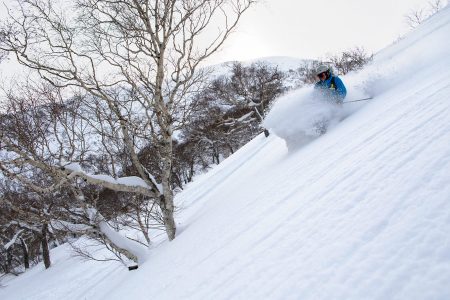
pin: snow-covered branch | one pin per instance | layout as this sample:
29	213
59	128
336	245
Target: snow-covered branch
131	184
13	240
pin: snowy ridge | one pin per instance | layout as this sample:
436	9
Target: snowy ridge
362	212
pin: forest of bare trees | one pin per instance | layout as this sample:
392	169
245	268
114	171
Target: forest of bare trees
132	67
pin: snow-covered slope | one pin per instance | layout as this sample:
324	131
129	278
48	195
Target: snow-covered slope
69	277
362	212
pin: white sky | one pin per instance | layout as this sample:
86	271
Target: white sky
312	29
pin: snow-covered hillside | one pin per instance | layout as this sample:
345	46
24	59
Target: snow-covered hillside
363	212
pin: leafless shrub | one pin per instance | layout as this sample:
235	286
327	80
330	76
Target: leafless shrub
350	60
416	17
435	6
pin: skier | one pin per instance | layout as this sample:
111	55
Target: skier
330	87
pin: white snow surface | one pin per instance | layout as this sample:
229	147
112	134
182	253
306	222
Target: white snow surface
68	278
362	212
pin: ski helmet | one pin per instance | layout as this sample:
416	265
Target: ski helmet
321	69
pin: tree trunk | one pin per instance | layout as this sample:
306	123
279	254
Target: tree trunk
169	221
231	148
122	244
26	255
45	249
8	264
216	157
191	172
142	226
166	154
167	205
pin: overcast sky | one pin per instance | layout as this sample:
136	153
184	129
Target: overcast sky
311	29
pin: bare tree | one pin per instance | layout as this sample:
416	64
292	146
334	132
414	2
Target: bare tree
2	53
350	60
435	6
138	59
416	17
228	114
26	217
256	86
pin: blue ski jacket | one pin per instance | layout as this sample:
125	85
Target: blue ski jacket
332	88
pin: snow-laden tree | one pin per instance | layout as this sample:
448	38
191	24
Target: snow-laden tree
139	62
228	114
38	130
25	227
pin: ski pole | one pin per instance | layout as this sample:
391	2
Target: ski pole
365	99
